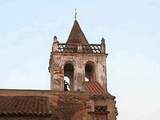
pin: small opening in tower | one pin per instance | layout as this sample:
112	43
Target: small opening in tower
68	77
89	72
66	83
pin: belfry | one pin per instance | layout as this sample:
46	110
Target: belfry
78	70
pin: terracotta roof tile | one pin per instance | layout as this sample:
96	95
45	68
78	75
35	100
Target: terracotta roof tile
24	105
94	88
24	118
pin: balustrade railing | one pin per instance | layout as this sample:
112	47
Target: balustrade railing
73	48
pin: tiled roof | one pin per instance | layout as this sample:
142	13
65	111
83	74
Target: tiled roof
94	88
76	35
25	118
24	105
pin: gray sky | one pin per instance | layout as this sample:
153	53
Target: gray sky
132	32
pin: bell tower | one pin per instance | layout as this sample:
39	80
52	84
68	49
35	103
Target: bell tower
76	63
79	78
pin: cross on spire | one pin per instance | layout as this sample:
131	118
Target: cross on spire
75	14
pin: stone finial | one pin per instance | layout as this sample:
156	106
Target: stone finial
55	44
103	45
102	41
55	39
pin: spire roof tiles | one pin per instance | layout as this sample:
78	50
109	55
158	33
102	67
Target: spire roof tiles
76	35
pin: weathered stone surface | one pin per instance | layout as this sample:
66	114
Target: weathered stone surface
89	66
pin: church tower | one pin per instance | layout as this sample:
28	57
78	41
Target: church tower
77	61
78	67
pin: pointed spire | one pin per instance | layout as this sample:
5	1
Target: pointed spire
76	35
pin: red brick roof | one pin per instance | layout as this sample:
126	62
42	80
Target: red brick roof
94	88
24	105
25	118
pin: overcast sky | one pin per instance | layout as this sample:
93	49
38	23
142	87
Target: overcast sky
132	32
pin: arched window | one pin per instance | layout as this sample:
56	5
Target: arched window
89	72
68	76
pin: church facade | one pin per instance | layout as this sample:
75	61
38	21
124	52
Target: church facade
78	85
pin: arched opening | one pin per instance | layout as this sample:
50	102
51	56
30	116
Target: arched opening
89	72
68	76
